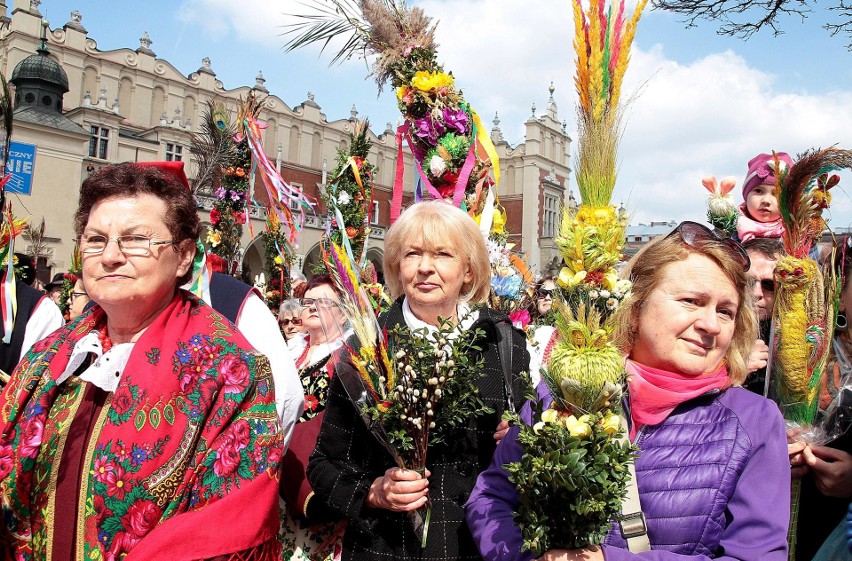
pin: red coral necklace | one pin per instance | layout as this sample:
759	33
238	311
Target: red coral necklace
103	337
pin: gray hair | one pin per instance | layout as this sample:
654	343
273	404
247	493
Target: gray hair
289	307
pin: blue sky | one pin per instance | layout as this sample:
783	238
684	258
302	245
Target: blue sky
707	103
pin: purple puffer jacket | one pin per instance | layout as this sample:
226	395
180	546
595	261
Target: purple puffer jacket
713	478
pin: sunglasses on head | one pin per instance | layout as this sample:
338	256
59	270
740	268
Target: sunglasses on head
692	232
287	321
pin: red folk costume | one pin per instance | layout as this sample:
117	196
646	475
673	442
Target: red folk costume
181	462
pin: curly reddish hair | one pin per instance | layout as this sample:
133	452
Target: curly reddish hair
130	179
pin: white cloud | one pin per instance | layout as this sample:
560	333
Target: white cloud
695	117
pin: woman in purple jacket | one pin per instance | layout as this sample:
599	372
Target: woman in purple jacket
712	470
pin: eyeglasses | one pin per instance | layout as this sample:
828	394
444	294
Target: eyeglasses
130	244
545	293
692	232
77	295
323	303
287	321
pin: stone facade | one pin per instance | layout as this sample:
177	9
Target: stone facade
132	106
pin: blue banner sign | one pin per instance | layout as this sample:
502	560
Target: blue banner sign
21	164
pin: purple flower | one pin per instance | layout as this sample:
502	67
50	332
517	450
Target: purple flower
221	192
428	129
236	195
456	119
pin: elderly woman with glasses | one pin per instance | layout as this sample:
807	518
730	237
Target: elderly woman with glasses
436	264
712	469
142	428
306	533
290	319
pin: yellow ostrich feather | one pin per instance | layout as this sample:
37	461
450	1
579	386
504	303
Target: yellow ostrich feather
596	93
581	80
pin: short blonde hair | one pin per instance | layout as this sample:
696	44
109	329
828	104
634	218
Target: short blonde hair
435	223
647	269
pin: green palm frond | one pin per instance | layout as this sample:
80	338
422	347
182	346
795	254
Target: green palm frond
330	19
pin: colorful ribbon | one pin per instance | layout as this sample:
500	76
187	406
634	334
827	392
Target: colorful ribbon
280	193
9	295
201	274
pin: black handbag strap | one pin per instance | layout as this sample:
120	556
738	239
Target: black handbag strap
504	351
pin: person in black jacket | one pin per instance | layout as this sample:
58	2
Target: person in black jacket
436	263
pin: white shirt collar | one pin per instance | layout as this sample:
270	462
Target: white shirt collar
107	370
466	319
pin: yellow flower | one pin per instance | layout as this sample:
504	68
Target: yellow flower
567	279
401	91
611	424
278	260
578	427
549	416
214	238
537	427
499	222
428	81
610	279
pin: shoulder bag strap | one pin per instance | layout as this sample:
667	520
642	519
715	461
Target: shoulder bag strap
504	351
632	522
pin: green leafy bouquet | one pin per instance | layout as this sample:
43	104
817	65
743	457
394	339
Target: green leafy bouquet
414	389
571	478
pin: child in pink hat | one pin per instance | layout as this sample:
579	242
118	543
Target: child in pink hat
760	216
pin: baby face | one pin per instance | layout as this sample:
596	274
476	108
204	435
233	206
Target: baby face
762	204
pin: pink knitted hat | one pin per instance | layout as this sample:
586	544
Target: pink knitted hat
761	170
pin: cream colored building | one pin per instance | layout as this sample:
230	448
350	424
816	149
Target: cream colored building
129	105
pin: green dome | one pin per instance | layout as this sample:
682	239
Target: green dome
42	67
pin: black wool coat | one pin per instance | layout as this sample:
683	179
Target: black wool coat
348	458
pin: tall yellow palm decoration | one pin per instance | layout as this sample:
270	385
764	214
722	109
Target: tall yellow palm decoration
592	237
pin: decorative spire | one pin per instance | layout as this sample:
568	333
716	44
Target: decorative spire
496	133
145	43
551	104
206	67
353	113
259	82
533	111
45	25
75	22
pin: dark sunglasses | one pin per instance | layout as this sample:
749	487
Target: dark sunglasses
545	292
295	321
693	232
767	285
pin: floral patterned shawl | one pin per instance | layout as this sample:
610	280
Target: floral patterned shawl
187	442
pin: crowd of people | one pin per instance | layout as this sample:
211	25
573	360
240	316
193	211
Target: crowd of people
154	424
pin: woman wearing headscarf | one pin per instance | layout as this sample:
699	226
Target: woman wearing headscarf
143	428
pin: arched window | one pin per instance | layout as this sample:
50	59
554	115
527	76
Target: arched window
90	83
293	145
316	150
270	138
158	104
125	96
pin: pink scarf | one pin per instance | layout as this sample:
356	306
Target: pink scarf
655	393
749	228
